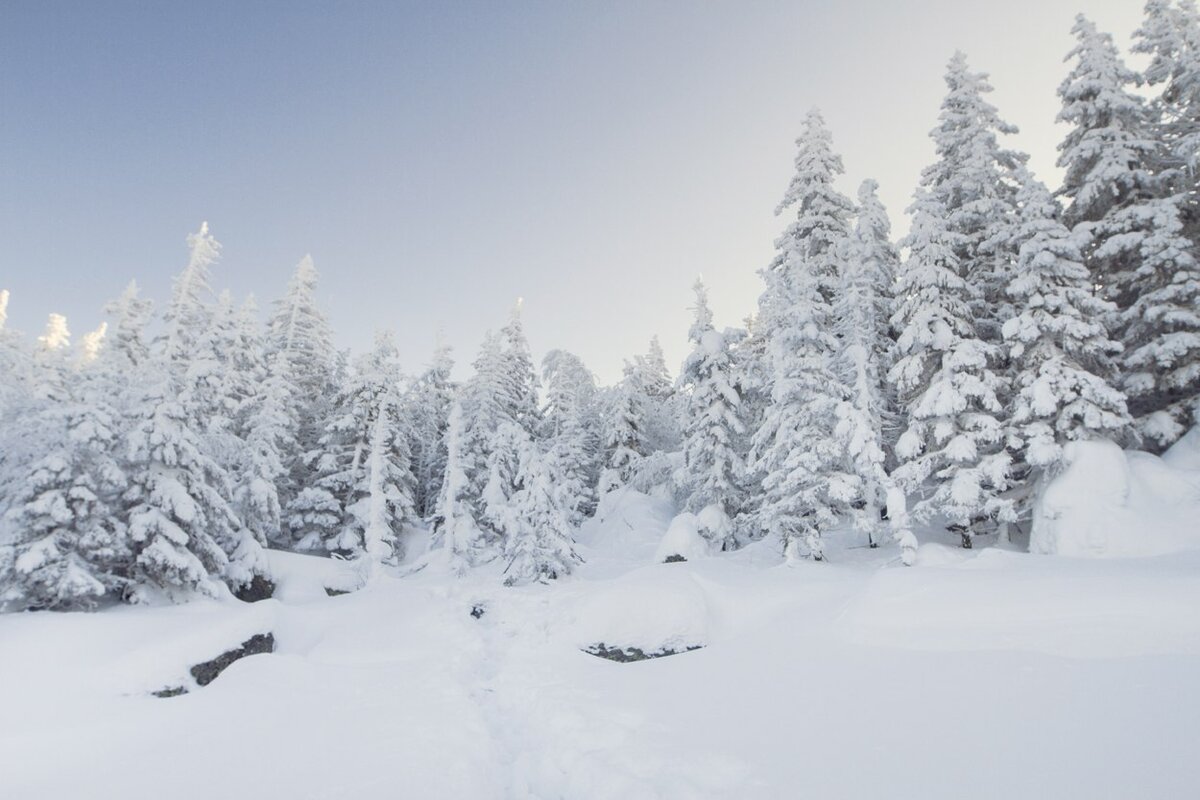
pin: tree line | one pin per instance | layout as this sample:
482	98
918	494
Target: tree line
878	386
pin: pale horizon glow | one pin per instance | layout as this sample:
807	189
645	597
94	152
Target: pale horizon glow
441	160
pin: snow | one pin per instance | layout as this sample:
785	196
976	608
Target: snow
683	538
1110	503
984	673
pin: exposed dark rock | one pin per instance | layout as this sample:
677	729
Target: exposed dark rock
170	691
258	643
674	559
627	654
335	592
261	588
478	610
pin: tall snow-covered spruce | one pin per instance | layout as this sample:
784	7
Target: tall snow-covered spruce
804	490
865	419
712	469
1132	224
952	453
1059	347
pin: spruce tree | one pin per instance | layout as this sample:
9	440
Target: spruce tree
952	453
454	526
866	420
804	491
427	407
1059	346
711	463
539	544
973	181
298	330
1133	229
62	542
571	432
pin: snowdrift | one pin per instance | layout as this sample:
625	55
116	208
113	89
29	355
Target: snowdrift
1111	503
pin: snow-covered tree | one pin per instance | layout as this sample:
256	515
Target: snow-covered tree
62	542
571	431
298	330
264	429
863	309
538	544
952	453
187	316
712	465
1170	36
521	377
625	443
362	493
974	183
181	528
804	490
454	525
427	408
125	339
1133	229
90	344
1060	349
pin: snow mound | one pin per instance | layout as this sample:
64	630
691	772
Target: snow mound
627	527
683	539
1109	503
655	609
1185	453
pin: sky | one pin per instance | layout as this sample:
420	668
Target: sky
441	159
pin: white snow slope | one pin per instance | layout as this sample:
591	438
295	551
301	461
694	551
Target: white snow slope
985	674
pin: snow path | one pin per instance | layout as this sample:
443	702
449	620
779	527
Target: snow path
988	674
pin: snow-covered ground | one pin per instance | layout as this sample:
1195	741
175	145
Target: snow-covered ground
984	674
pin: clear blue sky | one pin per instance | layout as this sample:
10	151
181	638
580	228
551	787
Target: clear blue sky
441	159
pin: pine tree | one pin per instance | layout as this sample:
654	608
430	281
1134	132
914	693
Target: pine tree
1135	243
804	491
712	467
953	449
1059	346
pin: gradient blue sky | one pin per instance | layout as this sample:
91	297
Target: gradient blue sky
441	159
